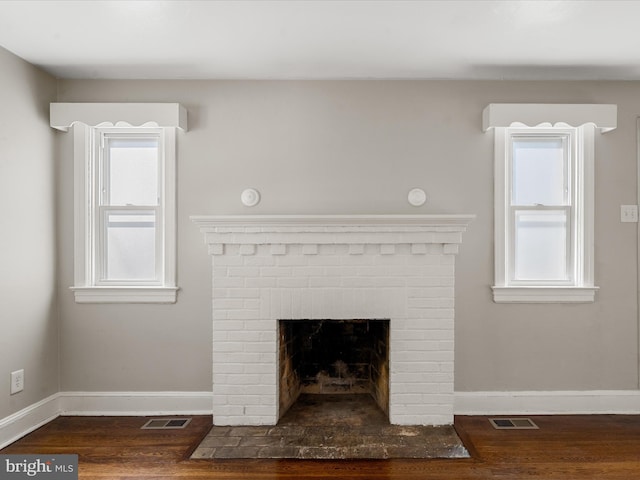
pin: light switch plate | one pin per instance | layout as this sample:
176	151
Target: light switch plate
629	213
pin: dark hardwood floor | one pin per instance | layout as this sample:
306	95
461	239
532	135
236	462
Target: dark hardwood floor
598	447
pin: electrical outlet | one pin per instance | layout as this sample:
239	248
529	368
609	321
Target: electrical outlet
17	381
629	213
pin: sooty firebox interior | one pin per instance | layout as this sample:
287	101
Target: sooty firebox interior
334	357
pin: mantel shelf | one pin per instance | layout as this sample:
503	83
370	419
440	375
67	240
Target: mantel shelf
267	222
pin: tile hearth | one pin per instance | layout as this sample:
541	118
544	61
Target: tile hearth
332	427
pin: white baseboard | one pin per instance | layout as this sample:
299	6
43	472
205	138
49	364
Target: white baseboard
592	402
135	403
30	418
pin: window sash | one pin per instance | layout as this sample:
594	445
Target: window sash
566	141
568	266
568	206
102	209
103	275
107	138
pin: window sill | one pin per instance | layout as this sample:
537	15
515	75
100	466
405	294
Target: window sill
544	294
125	294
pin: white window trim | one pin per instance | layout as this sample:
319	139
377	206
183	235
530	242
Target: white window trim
67	115
500	117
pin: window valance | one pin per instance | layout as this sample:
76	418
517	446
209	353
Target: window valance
603	116
64	115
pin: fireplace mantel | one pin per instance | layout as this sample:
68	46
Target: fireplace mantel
266	221
269	268
332	229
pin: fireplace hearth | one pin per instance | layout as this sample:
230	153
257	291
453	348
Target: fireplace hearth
271	273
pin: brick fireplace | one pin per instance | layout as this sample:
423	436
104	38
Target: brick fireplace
269	269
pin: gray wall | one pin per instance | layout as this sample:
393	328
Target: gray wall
28	296
358	147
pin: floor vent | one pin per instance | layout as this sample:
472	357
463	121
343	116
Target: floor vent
513	424
164	423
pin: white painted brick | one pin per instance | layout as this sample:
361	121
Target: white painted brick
417	367
417	345
237	357
276	271
411	283
356	249
244	379
423	378
436	356
387	249
264	390
227	325
259	261
421	419
224	410
245	400
243	314
261	282
419	248
258	347
227	260
339	271
244	293
292	282
311	249
261	325
220	292
241	336
447	367
228	282
307	271
247	249
329	249
216	249
251	303
322	282
228	303
260	368
430	302
244	271
291	260
360	282
229	347
325	260
259	410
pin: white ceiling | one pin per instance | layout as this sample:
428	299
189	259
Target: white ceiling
323	39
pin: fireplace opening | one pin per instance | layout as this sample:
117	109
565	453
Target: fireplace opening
334	357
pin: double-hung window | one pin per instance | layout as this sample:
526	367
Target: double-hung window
128	212
542	207
544	200
125	205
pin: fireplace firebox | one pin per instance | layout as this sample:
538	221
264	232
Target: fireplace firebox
334	357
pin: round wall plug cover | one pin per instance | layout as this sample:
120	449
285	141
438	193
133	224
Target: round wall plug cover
417	197
250	197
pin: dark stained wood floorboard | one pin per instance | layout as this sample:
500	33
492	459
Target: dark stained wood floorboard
601	447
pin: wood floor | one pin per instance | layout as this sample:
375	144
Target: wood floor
598	447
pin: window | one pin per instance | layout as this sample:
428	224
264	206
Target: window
544	205
541	209
128	210
124	203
